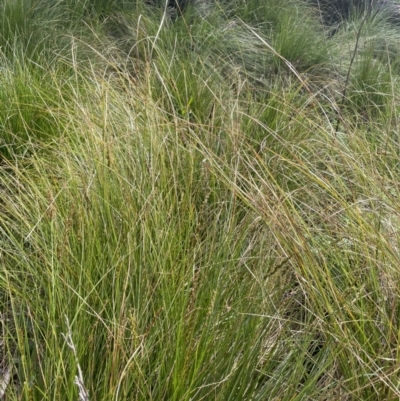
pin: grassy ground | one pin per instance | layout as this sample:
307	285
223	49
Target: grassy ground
198	208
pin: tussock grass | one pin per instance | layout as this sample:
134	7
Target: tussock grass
192	208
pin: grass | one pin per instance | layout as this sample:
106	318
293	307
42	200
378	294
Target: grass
196	209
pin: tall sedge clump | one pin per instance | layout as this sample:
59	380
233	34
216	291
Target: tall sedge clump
210	199
134	259
329	220
290	28
366	63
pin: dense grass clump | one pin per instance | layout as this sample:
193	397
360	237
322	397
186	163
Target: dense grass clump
198	205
